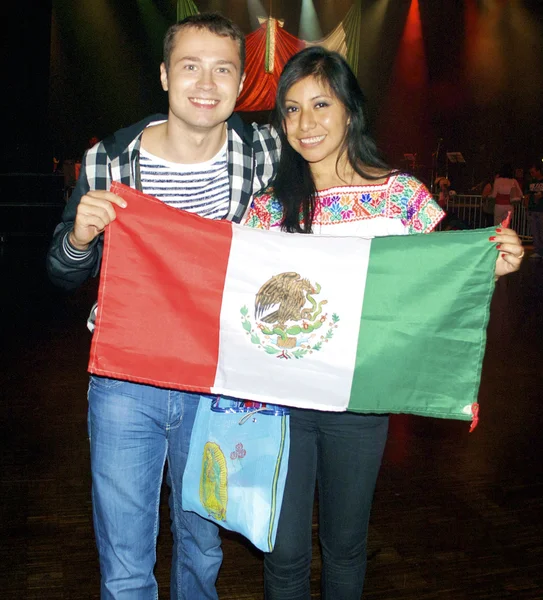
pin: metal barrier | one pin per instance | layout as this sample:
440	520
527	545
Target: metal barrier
521	223
466	211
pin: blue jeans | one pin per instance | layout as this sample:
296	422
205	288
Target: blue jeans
341	452
134	429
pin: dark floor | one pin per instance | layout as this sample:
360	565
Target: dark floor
456	515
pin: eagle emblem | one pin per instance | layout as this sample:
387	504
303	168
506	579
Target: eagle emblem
288	318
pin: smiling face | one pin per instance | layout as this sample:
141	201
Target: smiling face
203	80
315	124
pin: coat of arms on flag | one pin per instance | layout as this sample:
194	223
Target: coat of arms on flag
296	325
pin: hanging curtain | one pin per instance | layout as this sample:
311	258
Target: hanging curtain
270	46
185	8
345	38
268	49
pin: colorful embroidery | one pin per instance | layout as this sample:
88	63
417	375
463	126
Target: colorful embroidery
401	196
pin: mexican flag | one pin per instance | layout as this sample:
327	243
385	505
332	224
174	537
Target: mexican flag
382	325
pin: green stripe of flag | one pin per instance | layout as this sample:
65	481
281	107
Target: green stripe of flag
429	320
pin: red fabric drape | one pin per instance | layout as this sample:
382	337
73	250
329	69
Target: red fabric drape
260	87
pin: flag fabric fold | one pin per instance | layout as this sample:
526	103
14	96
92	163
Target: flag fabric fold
382	325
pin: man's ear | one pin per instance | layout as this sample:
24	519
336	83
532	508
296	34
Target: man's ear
164	77
241	83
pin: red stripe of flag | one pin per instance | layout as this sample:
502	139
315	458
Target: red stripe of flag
163	270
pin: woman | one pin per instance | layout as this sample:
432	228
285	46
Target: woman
332	181
505	191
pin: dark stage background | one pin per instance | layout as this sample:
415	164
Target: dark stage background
467	71
457	516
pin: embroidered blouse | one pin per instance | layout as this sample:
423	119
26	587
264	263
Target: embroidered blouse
399	206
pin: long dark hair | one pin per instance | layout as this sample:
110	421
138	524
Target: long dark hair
293	185
506	171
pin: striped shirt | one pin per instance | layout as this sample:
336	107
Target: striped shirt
253	154
201	188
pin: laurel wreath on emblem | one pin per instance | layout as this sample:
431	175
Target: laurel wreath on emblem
291	329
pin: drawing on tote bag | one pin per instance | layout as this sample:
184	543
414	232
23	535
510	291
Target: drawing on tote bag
237	466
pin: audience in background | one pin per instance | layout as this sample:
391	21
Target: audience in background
535	208
443	187
505	191
519	176
487	201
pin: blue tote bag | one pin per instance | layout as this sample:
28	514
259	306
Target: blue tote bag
237	467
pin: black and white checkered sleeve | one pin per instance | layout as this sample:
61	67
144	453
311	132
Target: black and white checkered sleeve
267	149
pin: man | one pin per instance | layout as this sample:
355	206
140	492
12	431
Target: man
202	159
535	208
443	186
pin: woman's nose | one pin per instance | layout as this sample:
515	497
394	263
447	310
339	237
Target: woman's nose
307	120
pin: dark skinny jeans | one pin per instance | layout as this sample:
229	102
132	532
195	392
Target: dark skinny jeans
341	452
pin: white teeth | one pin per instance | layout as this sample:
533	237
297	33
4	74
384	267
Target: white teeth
203	101
312	140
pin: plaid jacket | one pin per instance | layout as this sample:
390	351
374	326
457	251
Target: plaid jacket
253	153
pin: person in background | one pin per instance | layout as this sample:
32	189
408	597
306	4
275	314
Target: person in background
486	187
535	208
201	159
444	191
93	140
505	191
519	176
487	201
331	180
